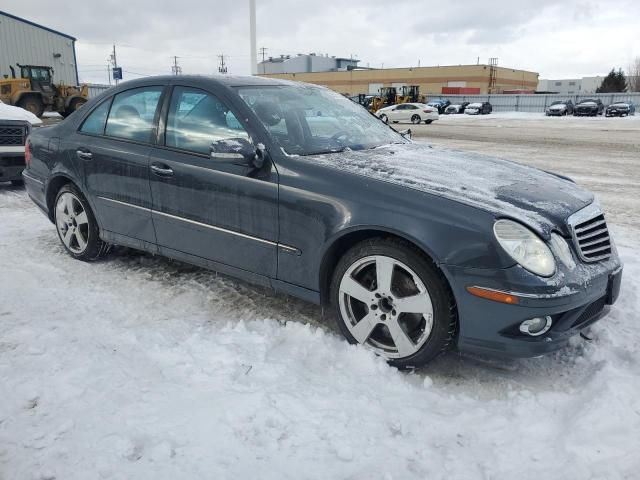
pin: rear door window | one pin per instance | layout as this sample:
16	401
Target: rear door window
132	114
94	123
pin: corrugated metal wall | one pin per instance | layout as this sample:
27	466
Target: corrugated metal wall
28	44
96	89
534	103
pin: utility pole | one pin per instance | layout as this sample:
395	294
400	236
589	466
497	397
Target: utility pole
252	37
263	52
223	66
109	71
175	68
114	60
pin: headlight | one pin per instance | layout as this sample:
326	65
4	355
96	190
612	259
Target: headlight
525	247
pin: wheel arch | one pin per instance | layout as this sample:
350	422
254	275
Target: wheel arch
339	245
54	185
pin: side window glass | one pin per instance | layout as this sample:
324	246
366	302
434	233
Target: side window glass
197	119
94	123
132	114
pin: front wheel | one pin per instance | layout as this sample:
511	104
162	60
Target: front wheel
415	119
77	226
389	297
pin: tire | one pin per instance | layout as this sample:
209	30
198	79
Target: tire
17	183
384	118
415	119
405	339
74	105
77	226
428	122
32	104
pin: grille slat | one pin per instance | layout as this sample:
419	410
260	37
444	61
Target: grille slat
12	136
590	234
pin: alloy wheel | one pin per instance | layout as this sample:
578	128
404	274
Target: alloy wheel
416	119
72	222
386	306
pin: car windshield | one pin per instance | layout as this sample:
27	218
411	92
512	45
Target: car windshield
310	120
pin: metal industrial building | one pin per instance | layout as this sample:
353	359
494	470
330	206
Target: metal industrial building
27	43
308	63
482	79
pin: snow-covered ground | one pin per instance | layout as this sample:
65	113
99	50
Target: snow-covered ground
138	367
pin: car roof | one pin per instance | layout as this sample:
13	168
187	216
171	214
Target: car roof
217	80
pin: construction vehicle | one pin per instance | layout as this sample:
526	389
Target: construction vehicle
386	98
409	94
35	91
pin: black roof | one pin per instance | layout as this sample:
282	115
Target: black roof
29	22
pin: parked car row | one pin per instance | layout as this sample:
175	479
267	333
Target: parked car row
590	107
476	108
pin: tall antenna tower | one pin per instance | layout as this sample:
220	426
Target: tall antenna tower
175	68
252	37
493	73
222	68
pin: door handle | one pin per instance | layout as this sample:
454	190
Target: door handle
84	154
162	171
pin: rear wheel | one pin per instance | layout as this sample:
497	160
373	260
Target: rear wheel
416	119
33	104
428	122
387	296
77	226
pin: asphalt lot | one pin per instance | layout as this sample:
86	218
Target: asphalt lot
603	154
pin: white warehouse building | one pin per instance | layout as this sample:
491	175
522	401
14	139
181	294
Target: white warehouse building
27	43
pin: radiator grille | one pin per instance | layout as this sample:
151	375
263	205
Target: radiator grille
12	135
591	237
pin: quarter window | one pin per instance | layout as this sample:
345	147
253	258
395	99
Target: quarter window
197	119
132	113
94	123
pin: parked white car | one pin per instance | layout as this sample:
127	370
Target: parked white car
408	112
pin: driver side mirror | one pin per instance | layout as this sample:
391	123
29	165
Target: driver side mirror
238	151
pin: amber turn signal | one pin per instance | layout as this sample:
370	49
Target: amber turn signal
494	295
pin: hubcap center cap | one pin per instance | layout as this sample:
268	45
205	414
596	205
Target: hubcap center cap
385	304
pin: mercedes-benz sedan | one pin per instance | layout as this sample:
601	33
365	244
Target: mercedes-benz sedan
412	249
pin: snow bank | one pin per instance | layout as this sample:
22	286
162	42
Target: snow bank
138	367
9	112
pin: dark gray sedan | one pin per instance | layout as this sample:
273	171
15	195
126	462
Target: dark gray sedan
413	249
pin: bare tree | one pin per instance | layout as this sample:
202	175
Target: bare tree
633	80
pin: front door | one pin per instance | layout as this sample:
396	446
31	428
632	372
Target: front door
113	146
203	204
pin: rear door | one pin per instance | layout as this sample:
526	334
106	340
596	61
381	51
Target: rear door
205	205
113	146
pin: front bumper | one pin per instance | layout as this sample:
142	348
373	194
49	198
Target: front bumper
556	113
617	113
11	163
574	300
585	113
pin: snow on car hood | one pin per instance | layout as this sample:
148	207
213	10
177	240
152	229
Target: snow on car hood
587	104
9	112
558	106
537	198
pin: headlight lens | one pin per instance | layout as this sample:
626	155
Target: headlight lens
525	247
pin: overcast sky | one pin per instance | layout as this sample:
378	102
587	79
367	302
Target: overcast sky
558	39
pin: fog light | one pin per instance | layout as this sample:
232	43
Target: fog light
536	326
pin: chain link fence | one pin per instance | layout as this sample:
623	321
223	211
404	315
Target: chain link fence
534	103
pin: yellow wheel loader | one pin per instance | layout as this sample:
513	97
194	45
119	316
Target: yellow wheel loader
35	91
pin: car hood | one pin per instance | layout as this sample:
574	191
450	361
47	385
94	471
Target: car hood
560	106
622	106
537	198
9	112
587	104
